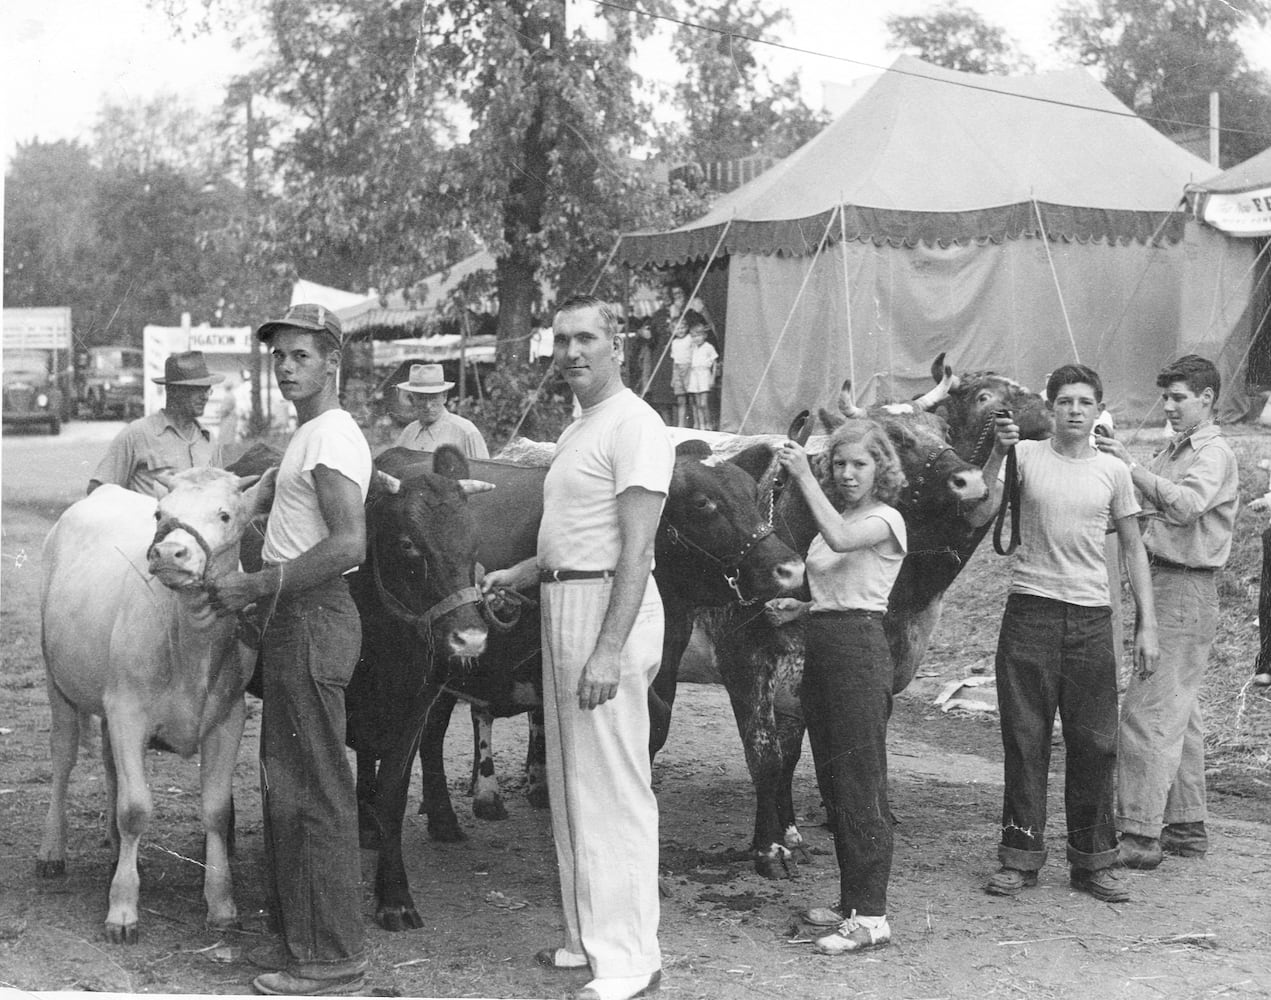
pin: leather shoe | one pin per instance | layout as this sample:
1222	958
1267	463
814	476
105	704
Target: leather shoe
1009	882
1101	884
284	984
1140	853
1187	840
560	959
272	957
619	988
822	916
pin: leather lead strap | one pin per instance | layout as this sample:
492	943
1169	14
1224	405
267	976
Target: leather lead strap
1011	499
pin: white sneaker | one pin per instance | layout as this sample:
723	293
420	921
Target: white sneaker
856	934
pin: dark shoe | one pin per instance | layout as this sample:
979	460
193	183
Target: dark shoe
272	957
284	984
560	959
1102	885
1140	853
624	988
1187	840
822	916
1010	882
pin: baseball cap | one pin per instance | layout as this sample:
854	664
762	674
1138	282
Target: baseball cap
305	316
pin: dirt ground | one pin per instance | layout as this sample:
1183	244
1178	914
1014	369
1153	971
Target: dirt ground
1193	928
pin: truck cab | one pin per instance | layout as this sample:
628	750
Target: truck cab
31	395
112	382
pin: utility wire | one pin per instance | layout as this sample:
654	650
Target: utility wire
1178	123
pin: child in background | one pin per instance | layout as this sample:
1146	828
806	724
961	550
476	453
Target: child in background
681	361
701	375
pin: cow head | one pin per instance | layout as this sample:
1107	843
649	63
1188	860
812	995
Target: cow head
200	522
939	478
715	538
969	404
422	544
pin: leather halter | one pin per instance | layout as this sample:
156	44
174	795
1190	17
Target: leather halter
731	565
919	483
168	526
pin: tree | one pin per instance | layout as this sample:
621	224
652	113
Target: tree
956	37
1162	58
732	108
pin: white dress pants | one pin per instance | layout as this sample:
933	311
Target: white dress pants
604	813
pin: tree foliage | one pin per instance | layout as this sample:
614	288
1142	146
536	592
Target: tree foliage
1163	58
956	37
731	105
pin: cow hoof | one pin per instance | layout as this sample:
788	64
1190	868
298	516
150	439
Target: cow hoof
398	918
121	933
50	869
776	863
538	797
445	831
489	808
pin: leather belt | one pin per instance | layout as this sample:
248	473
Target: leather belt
1178	567
564	575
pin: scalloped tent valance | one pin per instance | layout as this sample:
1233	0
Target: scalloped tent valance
935	157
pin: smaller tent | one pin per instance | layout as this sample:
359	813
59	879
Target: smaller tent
1237	201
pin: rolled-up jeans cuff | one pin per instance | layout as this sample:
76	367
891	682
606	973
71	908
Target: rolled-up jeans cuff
345	968
1092	862
1020	860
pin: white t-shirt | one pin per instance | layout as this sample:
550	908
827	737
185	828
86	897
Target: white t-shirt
333	439
1066	507
859	579
681	350
615	445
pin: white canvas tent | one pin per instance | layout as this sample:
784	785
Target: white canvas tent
1015	223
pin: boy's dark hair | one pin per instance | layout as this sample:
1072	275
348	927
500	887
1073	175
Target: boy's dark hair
1071	374
1199	374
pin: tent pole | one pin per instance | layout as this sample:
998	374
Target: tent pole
1076	356
789	316
657	365
847	297
605	266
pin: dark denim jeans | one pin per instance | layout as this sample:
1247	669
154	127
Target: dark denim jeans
310	646
1057	656
847	678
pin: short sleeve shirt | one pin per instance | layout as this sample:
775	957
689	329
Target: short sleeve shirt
615	445
296	525
1066	505
859	579
150	444
449	428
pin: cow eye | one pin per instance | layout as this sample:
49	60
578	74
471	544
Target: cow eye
225	518
984	397
158	516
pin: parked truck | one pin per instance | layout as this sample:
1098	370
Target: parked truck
38	371
110	382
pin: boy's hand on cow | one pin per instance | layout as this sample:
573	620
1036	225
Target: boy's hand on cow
781	610
521	576
1007	431
232	592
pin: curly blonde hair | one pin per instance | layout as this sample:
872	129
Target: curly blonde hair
889	477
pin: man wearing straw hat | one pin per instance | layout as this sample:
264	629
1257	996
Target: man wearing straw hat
436	425
170	440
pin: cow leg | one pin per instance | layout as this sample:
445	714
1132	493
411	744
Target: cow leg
218	755
434	801
788	713
133	806
112	793
536	761
487	803
368	834
675	639
63	749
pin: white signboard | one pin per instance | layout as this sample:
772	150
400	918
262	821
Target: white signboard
1247	213
227	350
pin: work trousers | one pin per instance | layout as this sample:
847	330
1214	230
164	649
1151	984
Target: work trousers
1161	761
1262	664
604	813
311	645
847	700
1054	656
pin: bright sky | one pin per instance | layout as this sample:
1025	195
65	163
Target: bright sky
60	58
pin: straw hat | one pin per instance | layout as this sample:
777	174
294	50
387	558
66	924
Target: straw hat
426	378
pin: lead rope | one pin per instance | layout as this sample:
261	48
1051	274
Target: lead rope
1010	498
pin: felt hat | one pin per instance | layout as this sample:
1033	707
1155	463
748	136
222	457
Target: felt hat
188	368
426	378
305	316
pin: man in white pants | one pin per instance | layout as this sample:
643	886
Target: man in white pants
602	644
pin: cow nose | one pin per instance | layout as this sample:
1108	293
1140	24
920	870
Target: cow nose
968	484
789	575
467	643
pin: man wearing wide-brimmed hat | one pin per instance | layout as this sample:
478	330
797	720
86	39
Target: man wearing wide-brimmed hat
170	440
427	387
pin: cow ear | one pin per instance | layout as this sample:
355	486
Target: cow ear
450	462
693	448
259	491
830	421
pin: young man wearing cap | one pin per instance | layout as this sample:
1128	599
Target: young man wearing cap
310	643
1190	491
602	645
171	440
436	425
